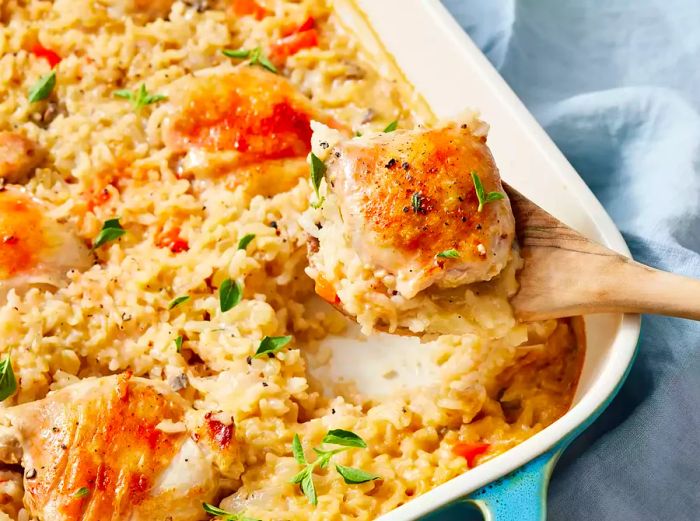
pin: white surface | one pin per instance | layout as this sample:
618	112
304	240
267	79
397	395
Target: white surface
451	74
378	365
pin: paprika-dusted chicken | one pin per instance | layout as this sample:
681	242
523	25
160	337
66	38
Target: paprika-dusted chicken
116	448
35	250
408	196
245	122
420	210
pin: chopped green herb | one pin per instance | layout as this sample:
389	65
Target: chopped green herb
494	196
230	294
178	344
258	58
139	98
226	516
111	230
299	477
254	57
42	89
347	440
318	170
305	477
353	476
271	345
308	488
326	455
177	301
8	383
481	193
82	492
245	241
298	450
448	254
416	202
240	54
392	126
358	133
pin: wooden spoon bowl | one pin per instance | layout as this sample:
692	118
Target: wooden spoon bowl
566	274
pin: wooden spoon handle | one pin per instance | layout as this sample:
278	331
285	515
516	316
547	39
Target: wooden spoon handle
578	285
641	289
566	274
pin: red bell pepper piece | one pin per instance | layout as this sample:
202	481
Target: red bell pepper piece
172	240
249	7
306	25
292	44
470	451
49	55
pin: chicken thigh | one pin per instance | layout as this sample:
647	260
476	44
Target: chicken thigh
35	250
238	118
116	448
425	205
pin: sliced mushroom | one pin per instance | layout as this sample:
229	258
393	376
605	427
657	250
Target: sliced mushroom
19	157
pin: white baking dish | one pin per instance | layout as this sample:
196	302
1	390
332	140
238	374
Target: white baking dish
451	74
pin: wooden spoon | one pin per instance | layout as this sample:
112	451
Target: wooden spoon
567	275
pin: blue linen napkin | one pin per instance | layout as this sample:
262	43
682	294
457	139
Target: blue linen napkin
616	84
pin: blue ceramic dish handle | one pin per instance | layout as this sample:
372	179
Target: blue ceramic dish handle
522	494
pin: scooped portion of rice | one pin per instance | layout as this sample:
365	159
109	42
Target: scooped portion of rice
401	221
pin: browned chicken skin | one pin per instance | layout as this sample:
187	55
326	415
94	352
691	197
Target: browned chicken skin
252	114
35	250
247	124
408	196
116	448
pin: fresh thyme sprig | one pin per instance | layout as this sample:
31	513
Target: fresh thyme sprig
352	476
140	97
224	515
254	56
481	193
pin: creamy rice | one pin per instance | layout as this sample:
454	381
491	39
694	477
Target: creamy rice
499	383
